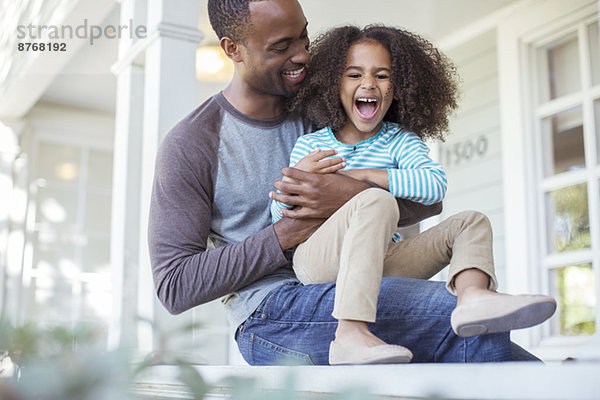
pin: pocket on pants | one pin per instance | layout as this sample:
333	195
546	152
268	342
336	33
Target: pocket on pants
264	352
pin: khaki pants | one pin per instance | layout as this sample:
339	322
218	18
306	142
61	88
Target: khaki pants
354	248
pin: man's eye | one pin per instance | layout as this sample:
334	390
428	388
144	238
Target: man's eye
280	49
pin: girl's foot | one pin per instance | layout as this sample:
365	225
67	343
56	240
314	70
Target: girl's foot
353	333
355	344
481	311
382	354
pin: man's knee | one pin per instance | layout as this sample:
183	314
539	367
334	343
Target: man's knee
428	296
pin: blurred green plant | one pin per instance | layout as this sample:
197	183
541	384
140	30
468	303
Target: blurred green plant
57	363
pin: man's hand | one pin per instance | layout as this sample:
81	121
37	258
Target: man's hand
317	162
315	195
291	231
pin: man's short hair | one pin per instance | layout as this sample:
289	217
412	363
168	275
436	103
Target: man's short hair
230	18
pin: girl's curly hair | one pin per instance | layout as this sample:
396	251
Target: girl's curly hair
425	81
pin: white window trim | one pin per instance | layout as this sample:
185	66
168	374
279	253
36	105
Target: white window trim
514	35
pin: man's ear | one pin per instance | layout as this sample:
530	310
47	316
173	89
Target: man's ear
231	49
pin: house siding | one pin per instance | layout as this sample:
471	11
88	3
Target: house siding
472	152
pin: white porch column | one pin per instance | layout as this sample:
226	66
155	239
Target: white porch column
9	270
127	173
170	94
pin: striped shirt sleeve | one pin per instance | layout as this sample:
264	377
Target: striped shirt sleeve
417	177
302	148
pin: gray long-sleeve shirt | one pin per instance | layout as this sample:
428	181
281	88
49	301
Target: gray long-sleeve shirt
214	171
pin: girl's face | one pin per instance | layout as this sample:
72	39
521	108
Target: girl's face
366	89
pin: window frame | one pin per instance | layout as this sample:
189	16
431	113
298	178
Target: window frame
523	167
589	175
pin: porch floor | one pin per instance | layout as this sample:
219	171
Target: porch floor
565	381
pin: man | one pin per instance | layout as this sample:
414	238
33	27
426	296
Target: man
214	172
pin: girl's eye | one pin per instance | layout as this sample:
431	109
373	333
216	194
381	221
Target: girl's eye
382	76
353	76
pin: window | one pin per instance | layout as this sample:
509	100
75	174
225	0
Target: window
67	271
565	79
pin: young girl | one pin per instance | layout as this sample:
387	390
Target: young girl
376	94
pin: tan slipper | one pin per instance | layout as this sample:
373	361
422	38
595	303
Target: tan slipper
501	314
383	354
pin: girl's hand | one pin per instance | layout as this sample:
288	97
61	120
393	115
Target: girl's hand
317	163
314	162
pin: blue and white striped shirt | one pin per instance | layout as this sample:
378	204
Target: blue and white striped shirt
412	174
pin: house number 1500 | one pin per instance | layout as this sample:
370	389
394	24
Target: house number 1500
465	151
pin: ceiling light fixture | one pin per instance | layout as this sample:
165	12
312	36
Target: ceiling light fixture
213	65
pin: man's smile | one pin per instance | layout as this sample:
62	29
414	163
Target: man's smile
296	75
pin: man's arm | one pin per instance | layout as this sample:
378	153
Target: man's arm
186	273
412	212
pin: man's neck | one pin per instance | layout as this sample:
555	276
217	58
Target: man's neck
253	104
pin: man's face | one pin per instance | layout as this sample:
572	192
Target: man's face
276	48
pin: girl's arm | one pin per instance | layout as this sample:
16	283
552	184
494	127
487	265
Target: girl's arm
320	195
417	177
374	175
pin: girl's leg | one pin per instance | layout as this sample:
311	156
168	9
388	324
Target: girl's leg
464	241
350	248
470	284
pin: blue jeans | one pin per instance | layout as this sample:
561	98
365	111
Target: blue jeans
293	324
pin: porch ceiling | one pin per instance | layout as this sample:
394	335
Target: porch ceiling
82	85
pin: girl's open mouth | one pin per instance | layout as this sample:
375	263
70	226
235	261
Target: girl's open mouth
366	107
